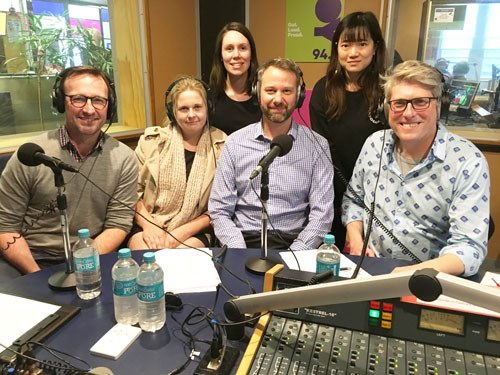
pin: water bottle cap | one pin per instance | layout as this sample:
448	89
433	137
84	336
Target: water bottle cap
83	233
329	239
149	257
124	253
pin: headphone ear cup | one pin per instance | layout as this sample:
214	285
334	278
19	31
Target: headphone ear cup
445	102
169	106
57	95
444	109
255	89
111	99
383	111
301	95
170	112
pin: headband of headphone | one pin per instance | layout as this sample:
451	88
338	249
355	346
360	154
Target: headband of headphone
169	105
58	88
301	88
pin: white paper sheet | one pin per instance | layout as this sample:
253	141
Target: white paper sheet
307	261
491	279
18	315
188	270
450	303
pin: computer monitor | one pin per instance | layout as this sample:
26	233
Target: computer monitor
462	94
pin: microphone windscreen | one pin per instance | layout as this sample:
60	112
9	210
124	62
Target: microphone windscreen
26	154
284	142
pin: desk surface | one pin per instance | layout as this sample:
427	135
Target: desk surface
151	353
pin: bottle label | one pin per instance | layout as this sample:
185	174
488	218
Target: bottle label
125	288
327	266
86	264
150	293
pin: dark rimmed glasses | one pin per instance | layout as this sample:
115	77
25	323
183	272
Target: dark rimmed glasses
418	104
80	101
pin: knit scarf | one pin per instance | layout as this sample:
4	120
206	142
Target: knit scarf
178	199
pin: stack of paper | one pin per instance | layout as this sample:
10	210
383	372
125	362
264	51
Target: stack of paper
188	270
18	315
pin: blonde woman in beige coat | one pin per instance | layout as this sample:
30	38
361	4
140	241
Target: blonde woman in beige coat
176	168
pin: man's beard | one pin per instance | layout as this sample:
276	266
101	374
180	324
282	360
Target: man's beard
277	117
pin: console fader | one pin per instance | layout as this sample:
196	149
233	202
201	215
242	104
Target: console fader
375	337
290	346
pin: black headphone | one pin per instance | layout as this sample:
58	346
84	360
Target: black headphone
445	98
301	89
58	88
169	105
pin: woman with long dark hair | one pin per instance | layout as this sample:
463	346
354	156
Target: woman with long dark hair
344	105
233	71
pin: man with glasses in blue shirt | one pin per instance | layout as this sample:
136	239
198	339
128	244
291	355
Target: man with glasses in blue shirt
428	187
30	224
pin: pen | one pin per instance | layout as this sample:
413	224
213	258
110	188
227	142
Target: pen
345	268
496	282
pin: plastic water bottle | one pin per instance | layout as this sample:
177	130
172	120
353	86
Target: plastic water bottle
124	276
150	294
328	256
87	267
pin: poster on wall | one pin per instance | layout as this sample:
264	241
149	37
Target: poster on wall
444	14
309	28
448	18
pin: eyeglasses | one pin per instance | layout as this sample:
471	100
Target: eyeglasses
80	101
418	104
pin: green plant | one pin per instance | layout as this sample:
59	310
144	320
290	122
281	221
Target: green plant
92	50
41	48
46	50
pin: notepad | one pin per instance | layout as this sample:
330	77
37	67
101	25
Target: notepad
114	342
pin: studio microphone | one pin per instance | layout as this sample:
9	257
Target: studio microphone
280	146
31	154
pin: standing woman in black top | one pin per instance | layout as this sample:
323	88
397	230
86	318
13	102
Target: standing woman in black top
344	104
233	70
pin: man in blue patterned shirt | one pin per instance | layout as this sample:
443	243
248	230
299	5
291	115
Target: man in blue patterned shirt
300	200
430	188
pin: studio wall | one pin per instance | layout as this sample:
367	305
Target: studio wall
171	31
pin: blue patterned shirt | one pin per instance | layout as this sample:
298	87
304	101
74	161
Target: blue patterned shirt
300	188
440	207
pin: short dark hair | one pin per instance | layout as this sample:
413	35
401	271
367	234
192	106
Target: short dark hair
58	90
81	70
461	68
280	63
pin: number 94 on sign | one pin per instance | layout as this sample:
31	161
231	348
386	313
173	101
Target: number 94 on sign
320	54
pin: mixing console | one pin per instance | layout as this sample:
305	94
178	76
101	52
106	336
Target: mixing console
290	346
372	337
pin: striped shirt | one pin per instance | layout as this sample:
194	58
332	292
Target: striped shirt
300	188
440	207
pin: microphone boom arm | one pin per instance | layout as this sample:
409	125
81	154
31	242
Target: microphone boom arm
426	284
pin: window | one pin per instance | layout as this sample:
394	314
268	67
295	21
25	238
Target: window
473	39
461	39
84	35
